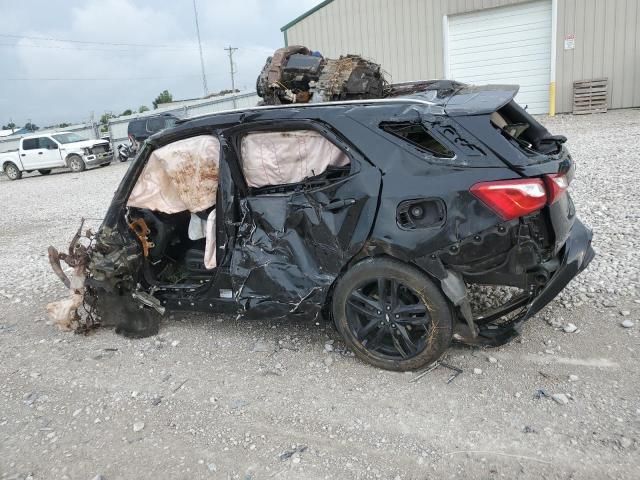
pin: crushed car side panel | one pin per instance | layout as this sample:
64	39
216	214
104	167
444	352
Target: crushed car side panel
292	242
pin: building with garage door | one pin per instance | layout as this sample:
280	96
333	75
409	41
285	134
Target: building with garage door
544	45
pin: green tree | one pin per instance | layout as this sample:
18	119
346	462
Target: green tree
104	121
143	108
32	127
128	111
164	97
9	126
64	124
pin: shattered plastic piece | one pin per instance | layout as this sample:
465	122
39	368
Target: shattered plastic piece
560	398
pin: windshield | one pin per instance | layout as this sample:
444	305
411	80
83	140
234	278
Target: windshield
69	137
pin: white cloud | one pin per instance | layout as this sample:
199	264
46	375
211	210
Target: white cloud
251	25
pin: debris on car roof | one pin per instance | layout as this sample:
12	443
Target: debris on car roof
295	74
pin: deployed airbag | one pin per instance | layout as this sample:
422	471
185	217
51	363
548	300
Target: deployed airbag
180	176
277	158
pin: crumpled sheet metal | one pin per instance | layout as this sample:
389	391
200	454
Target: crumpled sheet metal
277	158
275	272
180	176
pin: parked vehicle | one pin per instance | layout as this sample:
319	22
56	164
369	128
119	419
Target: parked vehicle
124	152
140	129
45	152
377	214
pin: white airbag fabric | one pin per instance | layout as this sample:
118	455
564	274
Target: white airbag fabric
276	158
197	227
180	176
210	244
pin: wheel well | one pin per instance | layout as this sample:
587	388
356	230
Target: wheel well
7	162
68	158
326	307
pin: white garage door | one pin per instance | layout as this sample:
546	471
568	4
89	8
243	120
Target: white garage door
509	45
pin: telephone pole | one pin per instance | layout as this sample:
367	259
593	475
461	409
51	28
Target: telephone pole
204	77
232	70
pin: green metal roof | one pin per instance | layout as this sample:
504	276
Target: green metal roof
305	15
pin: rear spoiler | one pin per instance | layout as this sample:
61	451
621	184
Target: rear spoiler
479	99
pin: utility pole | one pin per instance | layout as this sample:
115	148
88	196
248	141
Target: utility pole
204	77
230	49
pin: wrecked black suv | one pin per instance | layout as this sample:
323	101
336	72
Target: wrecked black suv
378	214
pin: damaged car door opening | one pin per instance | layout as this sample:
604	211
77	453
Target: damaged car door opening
380	215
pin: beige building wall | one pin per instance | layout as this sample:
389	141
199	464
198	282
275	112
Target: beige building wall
406	37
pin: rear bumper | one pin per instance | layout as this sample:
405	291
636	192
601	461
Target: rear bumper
576	254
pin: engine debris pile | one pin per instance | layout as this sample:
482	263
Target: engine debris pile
296	74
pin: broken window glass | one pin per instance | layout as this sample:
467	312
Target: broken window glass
419	136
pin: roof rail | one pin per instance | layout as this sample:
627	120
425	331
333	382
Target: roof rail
404	100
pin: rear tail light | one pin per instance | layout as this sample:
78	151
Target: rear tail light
556	185
512	198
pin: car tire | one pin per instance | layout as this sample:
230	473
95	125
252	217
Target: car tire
76	164
44	171
407	327
12	171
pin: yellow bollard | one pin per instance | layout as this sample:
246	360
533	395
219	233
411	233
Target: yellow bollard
552	99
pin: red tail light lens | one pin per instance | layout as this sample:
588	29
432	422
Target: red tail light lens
512	198
556	185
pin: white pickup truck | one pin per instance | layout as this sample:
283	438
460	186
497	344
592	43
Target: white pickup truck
45	152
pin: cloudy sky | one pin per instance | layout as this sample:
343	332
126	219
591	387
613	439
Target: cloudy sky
51	81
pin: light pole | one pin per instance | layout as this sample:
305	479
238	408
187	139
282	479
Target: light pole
204	77
232	70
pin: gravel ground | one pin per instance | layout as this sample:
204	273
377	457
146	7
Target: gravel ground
217	397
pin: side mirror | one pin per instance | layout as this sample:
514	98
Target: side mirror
53	147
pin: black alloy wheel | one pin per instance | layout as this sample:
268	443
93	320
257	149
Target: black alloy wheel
388	318
392	315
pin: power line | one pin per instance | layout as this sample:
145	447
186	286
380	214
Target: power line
75	49
88	42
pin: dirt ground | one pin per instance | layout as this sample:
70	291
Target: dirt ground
227	398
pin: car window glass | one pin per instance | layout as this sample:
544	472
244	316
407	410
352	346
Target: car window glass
30	144
271	158
46	142
417	135
155	124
